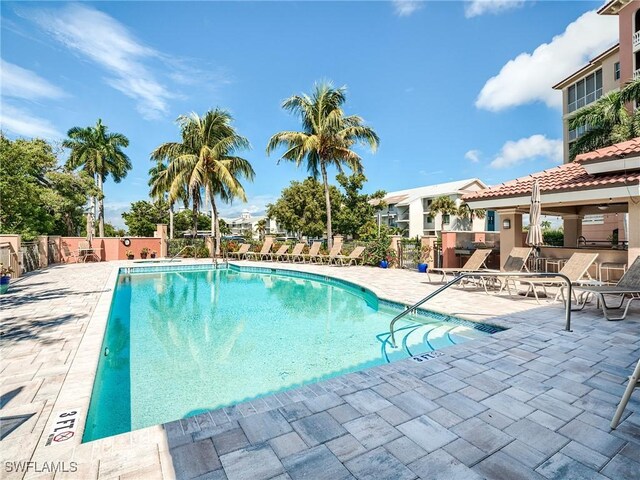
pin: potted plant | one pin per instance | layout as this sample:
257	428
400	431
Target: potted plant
129	254
378	252
154	254
144	252
424	254
5	277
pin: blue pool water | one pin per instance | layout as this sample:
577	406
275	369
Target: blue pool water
183	342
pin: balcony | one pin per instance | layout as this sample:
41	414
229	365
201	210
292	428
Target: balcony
636	41
636	74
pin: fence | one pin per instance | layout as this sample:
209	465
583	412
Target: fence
9	257
30	256
408	253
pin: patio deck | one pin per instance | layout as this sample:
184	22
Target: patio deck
530	402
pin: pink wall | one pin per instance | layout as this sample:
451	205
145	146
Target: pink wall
625	19
449	259
112	248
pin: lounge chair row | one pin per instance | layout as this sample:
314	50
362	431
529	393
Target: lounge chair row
296	256
576	270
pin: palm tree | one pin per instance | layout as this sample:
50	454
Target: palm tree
466	212
261	227
443	205
205	159
100	154
159	184
606	121
326	138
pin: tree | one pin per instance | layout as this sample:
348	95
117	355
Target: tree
443	205
224	228
143	217
205	159
100	154
606	121
261	227
466	214
300	208
37	197
184	221
356	208
111	231
326	138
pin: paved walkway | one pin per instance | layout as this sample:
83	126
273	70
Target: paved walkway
531	402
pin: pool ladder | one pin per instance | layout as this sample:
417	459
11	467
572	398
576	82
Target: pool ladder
463	276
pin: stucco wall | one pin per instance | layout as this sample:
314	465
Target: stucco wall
112	248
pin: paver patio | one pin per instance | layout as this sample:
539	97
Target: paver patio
533	401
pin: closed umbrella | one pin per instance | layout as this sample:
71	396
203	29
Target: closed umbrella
89	227
534	236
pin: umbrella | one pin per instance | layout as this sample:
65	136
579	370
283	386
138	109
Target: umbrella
89	226
534	236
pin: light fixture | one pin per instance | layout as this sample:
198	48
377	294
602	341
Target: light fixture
603	207
506	224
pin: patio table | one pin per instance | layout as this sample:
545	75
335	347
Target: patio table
90	252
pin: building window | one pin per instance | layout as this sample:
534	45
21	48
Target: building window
616	71
578	132
429	219
584	92
446	219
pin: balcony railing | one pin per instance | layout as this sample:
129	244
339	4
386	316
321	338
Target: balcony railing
636	41
636	74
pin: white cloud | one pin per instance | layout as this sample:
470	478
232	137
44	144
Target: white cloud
475	8
529	77
22	123
473	156
535	146
19	82
113	213
405	8
103	40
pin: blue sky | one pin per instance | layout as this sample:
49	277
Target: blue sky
454	89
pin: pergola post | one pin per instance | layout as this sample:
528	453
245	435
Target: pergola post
634	229
510	232
572	229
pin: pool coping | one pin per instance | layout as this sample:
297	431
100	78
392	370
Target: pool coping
77	388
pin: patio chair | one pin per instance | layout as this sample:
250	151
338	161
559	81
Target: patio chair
515	262
296	253
83	247
335	251
282	251
242	251
354	258
634	382
627	286
474	264
576	269
264	252
313	252
75	254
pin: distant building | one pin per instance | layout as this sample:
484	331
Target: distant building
607	72
248	223
410	210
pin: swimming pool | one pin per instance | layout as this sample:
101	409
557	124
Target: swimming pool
183	341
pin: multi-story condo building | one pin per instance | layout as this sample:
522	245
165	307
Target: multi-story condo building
605	73
410	210
248	223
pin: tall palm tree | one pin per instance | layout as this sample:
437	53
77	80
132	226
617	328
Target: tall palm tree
607	121
443	205
159	184
261	227
100	154
205	160
326	138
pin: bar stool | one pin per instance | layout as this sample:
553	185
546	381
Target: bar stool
557	262
611	266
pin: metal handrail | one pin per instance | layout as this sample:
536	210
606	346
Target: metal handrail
181	250
462	276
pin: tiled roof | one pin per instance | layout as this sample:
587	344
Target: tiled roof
619	150
570	176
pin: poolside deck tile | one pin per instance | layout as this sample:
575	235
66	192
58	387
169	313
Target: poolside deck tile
367	401
230	441
263	426
379	464
441	464
318	463
257	462
195	459
585	455
343	413
427	433
287	444
346	447
562	467
405	450
324	402
592	437
413	403
482	435
318	428
394	415
372	431
501	466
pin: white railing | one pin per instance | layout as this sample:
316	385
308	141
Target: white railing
636	41
636	74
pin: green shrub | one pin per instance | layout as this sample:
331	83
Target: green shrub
554	238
